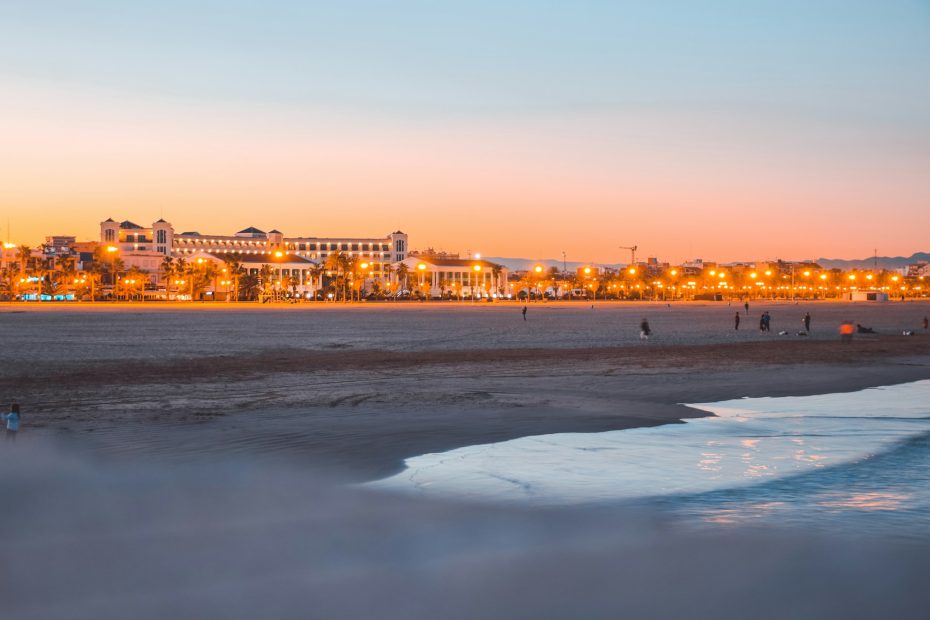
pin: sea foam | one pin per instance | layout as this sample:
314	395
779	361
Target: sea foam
748	441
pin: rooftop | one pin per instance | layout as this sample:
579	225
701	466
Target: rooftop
261	259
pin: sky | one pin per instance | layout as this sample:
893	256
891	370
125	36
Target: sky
726	130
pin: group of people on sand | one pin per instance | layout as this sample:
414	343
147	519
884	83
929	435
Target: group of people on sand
765	325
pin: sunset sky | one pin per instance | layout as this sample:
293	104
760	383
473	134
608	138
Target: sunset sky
737	130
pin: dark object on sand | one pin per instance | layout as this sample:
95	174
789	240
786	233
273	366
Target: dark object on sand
864	330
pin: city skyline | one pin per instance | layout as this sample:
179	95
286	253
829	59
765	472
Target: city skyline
725	132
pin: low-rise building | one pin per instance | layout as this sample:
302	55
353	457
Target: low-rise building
437	276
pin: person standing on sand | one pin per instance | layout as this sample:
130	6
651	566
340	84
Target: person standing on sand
807	321
644	331
524	312
846	331
736	322
12	422
746	306
762	322
926	322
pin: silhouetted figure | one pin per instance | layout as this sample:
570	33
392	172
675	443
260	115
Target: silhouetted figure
12	422
736	321
926	322
807	321
644	331
864	330
746	306
524	312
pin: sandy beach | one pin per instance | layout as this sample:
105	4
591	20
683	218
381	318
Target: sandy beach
247	429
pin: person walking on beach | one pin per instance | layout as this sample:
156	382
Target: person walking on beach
926	323
644	331
736	322
12	422
807	321
524	312
746	306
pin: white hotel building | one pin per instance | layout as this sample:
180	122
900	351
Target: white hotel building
146	248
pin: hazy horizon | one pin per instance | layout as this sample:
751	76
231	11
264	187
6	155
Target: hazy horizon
727	131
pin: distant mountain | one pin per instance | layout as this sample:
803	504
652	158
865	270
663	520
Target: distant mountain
884	262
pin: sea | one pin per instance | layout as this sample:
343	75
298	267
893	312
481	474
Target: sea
855	462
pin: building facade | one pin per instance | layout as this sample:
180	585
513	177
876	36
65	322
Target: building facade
147	247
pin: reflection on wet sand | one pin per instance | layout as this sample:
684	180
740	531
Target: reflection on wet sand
866	501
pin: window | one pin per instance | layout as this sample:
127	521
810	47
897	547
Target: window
345	247
365	247
399	257
302	246
161	236
313	246
385	247
399	246
355	247
108	235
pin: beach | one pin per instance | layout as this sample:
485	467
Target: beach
260	428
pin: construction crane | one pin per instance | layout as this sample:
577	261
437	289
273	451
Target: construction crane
632	250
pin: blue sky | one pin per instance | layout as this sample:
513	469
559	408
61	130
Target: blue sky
627	99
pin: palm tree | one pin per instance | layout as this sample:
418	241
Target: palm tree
135	280
337	262
24	256
7	283
249	286
402	273
265	278
209	274
316	274
168	270
496	271
64	273
234	269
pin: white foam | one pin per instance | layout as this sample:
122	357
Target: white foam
751	440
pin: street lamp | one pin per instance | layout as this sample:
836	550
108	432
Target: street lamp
477	270
539	270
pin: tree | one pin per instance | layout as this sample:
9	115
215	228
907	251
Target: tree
337	263
249	286
134	282
265	280
235	271
168	270
402	273
316	273
496	271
